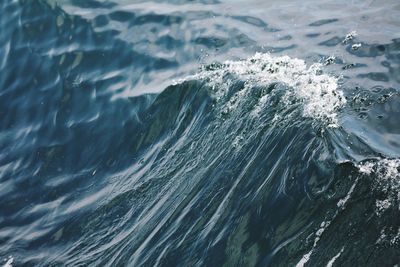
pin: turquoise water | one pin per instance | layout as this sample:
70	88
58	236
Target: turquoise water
199	133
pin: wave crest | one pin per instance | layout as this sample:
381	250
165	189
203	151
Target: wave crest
318	91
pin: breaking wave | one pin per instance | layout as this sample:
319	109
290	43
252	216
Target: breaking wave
265	160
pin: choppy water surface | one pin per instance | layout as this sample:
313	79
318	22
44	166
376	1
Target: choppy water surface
199	133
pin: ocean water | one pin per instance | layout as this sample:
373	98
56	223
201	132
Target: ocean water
199	133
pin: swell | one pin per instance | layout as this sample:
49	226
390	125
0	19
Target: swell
227	181
214	175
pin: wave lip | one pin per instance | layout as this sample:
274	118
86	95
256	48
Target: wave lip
318	91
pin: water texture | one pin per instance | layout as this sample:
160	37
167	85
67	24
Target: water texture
199	133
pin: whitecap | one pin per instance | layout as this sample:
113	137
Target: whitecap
318	92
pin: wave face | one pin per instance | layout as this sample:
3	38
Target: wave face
117	150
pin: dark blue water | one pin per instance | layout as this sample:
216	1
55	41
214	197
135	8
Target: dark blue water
199	133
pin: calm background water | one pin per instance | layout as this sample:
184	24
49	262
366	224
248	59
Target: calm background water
125	142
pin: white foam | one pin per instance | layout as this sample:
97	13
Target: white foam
350	36
388	169
387	172
381	206
356	46
318	234
9	262
317	91
389	237
304	259
325	224
342	202
332	261
329	60
396	238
